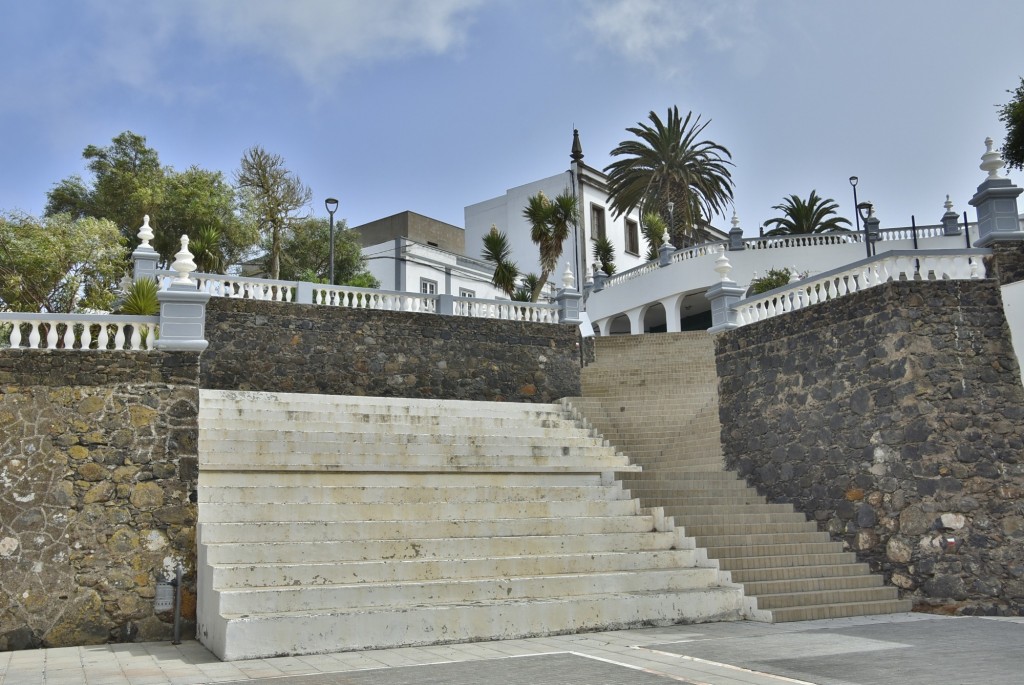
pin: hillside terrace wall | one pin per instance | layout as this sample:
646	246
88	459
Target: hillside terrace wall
97	493
275	346
894	418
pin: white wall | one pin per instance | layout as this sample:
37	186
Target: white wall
418	261
1013	306
506	212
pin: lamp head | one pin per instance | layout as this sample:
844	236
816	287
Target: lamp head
671	206
853	181
331	204
865	209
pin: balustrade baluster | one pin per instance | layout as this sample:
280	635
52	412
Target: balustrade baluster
151	337
15	334
119	337
51	335
69	336
101	339
136	339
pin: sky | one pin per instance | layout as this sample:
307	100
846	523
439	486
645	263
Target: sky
432	105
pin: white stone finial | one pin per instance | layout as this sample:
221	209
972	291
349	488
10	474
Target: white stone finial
723	267
145	233
991	161
568	280
183	263
948	204
735	221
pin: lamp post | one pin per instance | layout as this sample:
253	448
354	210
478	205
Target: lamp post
856	212
332	206
671	218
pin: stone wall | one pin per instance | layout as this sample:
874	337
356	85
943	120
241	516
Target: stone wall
284	347
895	419
1006	264
97	490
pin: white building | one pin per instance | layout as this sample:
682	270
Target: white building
590	187
409	252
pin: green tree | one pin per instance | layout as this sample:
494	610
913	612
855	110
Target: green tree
550	223
524	293
498	252
306	254
667	163
816	215
775	278
127	183
272	197
58	264
654	229
197	200
1012	114
604	251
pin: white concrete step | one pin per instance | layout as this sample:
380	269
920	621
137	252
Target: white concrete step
214	512
434	548
404	494
446	425
408	570
323	464
209	478
319	631
381	530
217	449
458	590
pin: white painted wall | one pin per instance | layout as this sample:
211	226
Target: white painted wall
416	261
506	212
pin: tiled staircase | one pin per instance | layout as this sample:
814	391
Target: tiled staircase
338	523
655	397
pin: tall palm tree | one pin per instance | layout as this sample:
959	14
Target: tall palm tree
816	215
497	252
667	163
550	223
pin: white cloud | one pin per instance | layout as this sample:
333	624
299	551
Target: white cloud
320	39
657	31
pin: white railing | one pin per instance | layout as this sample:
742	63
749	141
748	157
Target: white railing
78	331
505	310
695	251
367	298
630	274
772	242
219	285
897	265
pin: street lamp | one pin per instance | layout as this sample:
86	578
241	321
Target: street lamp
671	218
332	206
856	212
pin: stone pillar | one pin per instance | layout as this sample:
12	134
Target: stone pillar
183	308
599	278
996	203
144	258
736	235
568	299
446	304
950	220
722	296
871	229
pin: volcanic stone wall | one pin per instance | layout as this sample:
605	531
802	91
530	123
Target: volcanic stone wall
97	487
285	347
895	419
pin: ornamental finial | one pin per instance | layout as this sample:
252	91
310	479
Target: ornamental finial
183	263
991	161
145	233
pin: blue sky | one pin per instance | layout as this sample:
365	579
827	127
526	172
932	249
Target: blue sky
431	105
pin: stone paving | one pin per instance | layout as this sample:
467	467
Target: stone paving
910	649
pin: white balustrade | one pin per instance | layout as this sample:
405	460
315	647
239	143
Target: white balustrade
78	331
219	285
505	310
902	265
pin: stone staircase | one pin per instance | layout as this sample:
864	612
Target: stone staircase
339	523
655	397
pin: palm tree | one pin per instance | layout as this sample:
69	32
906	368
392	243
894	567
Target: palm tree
654	229
497	252
550	223
667	163
813	216
604	251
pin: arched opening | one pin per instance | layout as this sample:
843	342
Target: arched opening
619	326
654	319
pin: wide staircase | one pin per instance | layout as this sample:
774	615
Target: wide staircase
339	523
655	398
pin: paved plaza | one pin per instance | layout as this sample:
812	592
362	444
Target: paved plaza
908	649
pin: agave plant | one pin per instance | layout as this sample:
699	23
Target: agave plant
604	251
140	299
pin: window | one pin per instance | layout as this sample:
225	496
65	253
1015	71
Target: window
597	221
632	237
463	292
428	287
